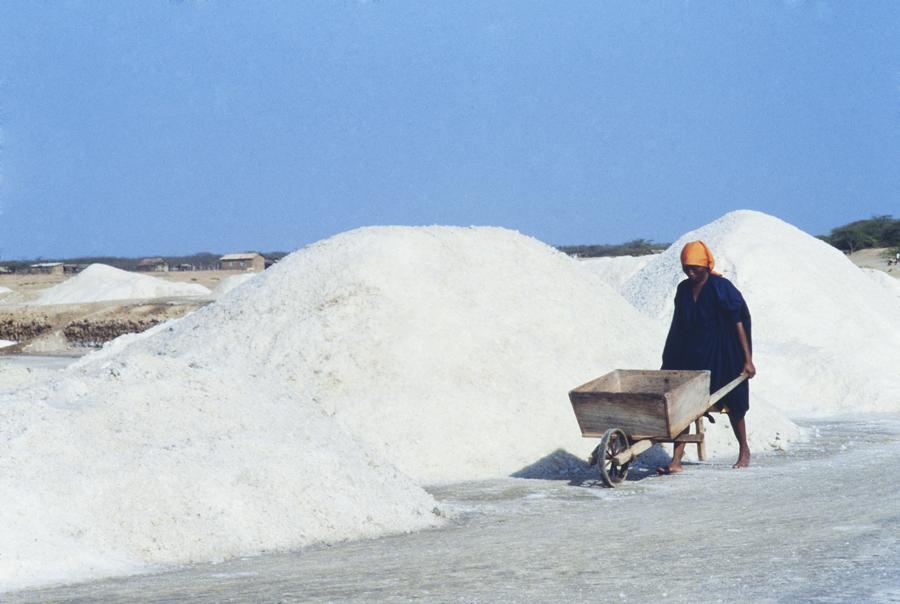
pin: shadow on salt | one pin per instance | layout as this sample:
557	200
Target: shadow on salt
562	465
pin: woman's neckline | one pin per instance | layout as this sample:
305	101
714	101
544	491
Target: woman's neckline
699	291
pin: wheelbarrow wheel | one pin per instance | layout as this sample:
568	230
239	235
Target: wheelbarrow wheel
613	442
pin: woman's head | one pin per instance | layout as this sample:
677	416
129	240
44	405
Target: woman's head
697	261
695	273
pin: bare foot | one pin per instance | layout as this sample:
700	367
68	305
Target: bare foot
743	460
672	468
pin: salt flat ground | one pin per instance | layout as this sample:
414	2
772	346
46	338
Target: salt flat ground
820	523
37	362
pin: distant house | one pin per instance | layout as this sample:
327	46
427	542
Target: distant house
73	269
47	268
251	261
153	265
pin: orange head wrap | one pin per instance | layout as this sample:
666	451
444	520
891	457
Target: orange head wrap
695	253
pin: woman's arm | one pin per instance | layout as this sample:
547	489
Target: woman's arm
671	357
749	369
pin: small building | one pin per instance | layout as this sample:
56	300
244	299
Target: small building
153	265
250	261
74	269
47	268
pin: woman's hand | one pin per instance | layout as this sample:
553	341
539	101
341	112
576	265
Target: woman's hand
749	369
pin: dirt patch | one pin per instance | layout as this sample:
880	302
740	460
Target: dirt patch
24	330
95	333
76	328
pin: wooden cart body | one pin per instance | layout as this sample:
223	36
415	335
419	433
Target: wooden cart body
643	404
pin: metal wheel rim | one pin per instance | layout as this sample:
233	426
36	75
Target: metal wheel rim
613	442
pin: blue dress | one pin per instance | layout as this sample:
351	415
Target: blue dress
703	335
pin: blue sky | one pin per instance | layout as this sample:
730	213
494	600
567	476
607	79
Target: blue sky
144	128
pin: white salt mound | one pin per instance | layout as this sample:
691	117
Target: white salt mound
119	472
448	351
14	375
890	284
100	282
616	270
826	337
229	283
293	409
11	297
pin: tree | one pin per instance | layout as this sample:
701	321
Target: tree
878	231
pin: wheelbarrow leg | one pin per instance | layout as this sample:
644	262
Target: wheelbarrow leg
701	446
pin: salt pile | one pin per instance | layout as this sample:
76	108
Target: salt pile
447	351
885	281
826	337
308	404
14	375
229	283
11	296
616	270
109	476
99	282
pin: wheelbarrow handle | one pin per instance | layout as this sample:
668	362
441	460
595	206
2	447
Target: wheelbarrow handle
716	396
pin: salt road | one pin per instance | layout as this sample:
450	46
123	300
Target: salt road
818	524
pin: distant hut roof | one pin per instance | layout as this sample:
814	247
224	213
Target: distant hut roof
151	262
46	264
246	256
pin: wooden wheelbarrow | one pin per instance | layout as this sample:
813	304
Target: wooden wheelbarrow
643	407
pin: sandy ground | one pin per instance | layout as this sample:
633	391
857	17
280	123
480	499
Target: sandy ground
818	524
31	285
876	258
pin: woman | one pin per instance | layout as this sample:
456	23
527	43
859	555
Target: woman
711	330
